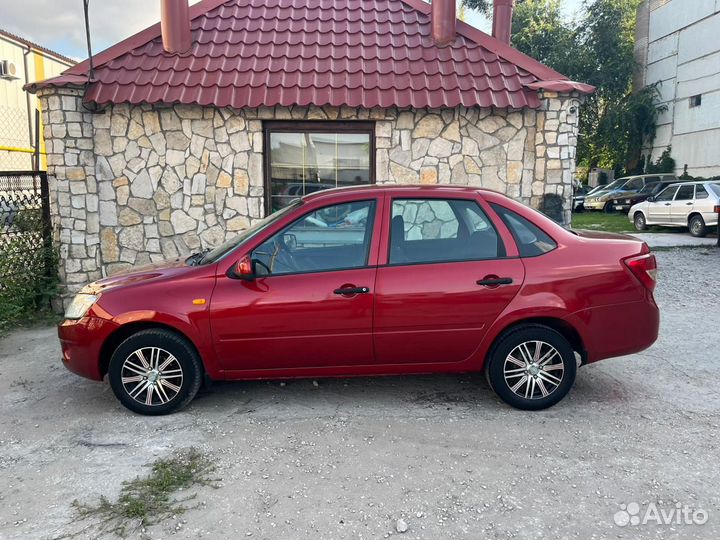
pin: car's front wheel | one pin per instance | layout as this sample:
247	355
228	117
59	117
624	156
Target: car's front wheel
697	226
155	372
640	222
532	367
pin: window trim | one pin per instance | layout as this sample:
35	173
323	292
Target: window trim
311	126
389	211
372	221
494	207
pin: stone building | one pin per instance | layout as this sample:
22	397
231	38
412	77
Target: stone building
196	127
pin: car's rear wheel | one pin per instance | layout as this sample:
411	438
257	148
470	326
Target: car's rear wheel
155	372
697	226
532	367
640	222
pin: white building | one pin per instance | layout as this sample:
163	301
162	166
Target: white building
678	45
22	62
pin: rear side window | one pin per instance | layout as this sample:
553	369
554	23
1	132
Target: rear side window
685	193
531	240
701	192
441	230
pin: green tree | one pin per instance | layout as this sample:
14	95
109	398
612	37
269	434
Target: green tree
539	30
597	49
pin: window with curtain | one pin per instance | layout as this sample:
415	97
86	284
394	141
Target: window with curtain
305	157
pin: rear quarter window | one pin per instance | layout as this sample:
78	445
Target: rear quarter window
531	240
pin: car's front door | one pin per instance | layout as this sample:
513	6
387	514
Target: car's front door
445	282
682	205
312	302
659	208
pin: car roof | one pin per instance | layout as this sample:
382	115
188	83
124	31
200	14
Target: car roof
418	189
695	182
657	175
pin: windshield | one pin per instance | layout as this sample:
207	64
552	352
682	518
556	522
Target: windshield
715	188
649	188
223	249
613	185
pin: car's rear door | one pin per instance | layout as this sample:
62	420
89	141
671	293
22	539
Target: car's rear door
312	303
444	282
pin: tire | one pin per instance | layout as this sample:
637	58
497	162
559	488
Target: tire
172	387
697	226
609	208
510	386
640	222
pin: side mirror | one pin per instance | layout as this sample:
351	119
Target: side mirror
243	269
651	199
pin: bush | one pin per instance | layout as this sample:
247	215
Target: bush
28	270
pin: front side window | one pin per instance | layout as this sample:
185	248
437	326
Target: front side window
685	193
531	240
305	157
441	230
667	194
332	238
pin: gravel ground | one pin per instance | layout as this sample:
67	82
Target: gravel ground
349	458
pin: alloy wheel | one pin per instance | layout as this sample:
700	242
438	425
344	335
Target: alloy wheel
533	370
152	376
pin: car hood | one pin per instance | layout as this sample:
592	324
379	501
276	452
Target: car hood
140	274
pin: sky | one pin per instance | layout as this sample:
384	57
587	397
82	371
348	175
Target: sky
58	24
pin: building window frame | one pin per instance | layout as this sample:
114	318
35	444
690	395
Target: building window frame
312	126
695	101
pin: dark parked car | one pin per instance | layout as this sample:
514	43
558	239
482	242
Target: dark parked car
372	281
650	190
621	189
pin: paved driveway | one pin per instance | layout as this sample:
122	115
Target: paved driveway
348	458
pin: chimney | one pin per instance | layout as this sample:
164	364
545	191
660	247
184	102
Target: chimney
443	21
175	25
502	20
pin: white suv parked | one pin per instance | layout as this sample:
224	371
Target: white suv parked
690	204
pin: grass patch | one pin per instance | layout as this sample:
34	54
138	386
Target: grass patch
150	500
600	221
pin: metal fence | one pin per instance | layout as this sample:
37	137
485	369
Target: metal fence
27	259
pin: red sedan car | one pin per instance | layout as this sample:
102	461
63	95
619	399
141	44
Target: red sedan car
372	281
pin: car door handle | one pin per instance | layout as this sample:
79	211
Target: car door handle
352	290
489	282
688	204
667	204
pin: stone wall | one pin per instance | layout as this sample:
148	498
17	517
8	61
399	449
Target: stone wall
137	184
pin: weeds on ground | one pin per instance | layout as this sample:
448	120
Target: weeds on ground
151	500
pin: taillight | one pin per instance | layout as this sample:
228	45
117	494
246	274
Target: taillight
644	267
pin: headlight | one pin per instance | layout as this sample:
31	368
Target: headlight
80	306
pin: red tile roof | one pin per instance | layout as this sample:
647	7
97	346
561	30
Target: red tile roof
368	53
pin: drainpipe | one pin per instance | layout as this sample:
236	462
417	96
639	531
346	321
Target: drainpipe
26	52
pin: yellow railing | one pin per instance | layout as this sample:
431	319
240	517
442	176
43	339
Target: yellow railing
14	149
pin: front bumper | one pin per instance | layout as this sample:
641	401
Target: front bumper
81	341
594	205
622	204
